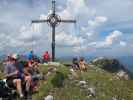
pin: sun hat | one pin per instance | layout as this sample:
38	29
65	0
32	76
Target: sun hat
14	56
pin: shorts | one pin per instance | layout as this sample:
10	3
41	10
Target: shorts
10	83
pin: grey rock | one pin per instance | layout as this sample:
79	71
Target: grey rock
54	64
114	98
52	69
70	77
49	73
49	97
122	74
84	86
82	82
92	91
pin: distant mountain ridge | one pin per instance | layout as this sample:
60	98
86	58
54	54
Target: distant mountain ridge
127	61
112	65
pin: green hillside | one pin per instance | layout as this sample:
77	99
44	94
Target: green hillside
62	84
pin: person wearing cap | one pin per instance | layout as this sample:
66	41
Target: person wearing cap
11	73
25	78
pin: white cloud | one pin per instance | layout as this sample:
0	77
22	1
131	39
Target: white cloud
68	39
101	19
42	16
83	29
97	21
79	49
114	36
93	17
111	39
26	37
89	34
5	40
65	14
30	33
83	49
123	43
90	31
76	7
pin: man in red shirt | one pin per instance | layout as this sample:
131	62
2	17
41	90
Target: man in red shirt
46	57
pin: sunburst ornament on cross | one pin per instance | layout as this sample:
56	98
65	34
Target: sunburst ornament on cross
53	20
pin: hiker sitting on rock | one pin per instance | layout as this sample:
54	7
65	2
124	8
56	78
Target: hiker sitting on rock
26	79
75	64
82	64
33	69
28	71
12	75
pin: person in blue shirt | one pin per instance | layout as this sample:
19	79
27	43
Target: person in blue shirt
30	55
24	78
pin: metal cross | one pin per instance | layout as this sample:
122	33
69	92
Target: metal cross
53	20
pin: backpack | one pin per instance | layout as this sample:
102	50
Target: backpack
4	90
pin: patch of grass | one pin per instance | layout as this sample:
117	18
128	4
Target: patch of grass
69	92
107	86
46	87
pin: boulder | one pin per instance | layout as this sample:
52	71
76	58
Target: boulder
92	91
54	64
123	75
73	73
114	98
52	69
82	82
45	64
49	97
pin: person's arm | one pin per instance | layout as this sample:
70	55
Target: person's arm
7	70
12	74
26	71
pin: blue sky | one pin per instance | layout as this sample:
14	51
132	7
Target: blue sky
104	27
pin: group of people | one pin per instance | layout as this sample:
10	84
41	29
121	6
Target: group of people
15	74
44	59
79	64
19	74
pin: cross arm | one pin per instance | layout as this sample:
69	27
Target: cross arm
39	21
68	21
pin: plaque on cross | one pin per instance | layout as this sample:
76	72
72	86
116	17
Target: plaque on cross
53	20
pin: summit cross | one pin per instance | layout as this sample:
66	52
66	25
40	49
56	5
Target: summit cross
53	20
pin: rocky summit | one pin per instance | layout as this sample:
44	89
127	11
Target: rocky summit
97	83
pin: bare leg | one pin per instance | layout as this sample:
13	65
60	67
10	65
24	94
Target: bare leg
17	83
28	82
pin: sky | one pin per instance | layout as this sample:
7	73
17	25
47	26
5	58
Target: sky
103	27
